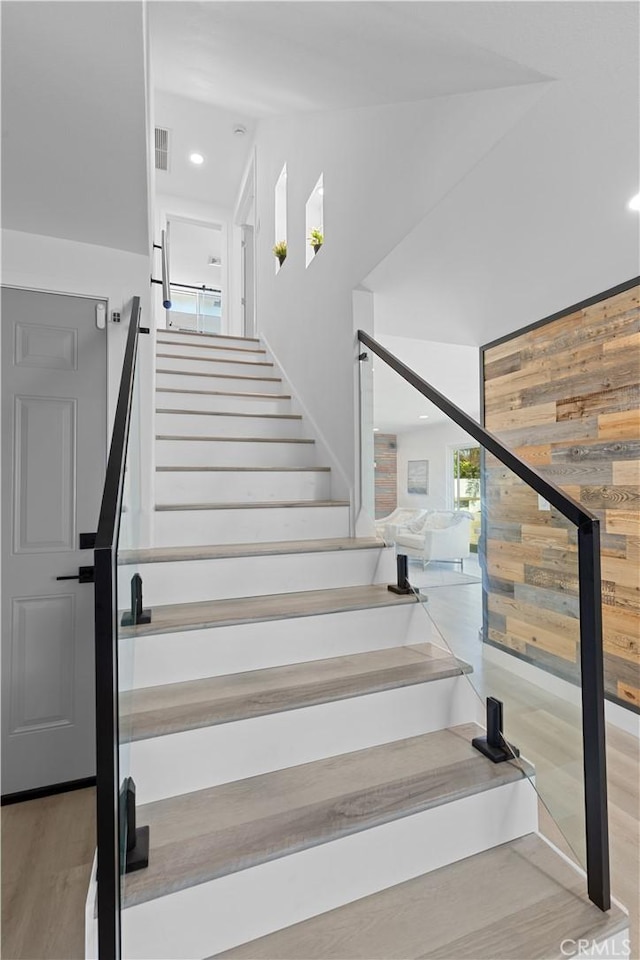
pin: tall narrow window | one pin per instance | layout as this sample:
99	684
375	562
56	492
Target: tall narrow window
280	237
314	220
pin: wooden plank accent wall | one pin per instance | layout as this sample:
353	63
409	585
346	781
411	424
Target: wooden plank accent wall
566	396
385	451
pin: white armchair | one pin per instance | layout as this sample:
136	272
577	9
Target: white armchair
386	527
440	535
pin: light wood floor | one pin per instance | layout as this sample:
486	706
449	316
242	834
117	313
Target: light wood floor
47	853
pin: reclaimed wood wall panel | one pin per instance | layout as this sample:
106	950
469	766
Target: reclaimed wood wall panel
385	451
565	394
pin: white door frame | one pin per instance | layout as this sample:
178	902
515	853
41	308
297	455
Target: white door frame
245	214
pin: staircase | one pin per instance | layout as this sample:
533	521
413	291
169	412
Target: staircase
300	743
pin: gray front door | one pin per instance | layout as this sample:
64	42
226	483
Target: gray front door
54	385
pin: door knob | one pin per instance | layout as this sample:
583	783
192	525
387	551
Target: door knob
84	575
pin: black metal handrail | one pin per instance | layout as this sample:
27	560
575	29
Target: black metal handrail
590	588
106	659
166	283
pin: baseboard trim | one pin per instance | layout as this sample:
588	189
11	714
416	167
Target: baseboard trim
49	791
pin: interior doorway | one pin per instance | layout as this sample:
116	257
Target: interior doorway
197	275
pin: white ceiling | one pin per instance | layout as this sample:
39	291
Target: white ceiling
73	122
271	58
198	128
451	369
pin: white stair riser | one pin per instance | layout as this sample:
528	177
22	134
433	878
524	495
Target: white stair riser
164	345
189	581
215	916
233	486
218	651
221	402
213	365
184	336
193	424
183	762
232	384
175	528
227	453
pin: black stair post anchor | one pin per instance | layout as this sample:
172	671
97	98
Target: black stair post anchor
137	848
494	746
136	614
403	586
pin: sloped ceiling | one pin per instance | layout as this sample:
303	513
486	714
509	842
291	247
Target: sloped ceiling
272	58
541	221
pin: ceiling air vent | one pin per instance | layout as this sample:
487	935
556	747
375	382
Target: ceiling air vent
162	148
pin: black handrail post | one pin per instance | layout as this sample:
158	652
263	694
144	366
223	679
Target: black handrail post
593	720
107	761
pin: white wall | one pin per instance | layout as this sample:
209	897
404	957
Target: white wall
383	168
74	144
432	443
192	246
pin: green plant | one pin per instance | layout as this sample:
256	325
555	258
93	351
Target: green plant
280	250
316	239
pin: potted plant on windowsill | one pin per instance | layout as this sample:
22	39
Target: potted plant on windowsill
316	239
280	251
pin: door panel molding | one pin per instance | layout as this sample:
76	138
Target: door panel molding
42	663
44	490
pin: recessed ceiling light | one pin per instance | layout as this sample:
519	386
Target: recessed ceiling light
240	130
196	158
376	429
634	203
423	416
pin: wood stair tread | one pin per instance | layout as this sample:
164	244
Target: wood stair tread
224	413
215	336
225	393
225	551
175	707
224	829
243	469
219	376
533	902
278	606
186	356
212	346
252	505
172	436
